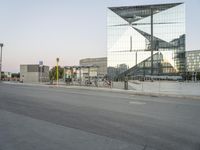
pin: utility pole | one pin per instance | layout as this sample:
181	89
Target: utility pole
131	43
152	41
1	45
57	60
136	58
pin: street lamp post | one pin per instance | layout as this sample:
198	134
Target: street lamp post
152	42
1	45
57	60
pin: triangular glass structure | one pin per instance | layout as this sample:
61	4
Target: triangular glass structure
158	43
135	13
161	20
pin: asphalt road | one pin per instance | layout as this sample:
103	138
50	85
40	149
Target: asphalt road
43	118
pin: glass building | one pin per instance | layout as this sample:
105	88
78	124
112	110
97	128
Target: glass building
146	40
193	61
193	65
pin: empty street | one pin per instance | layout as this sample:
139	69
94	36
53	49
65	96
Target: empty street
46	118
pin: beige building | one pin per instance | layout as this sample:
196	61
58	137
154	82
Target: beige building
34	73
193	61
81	73
100	62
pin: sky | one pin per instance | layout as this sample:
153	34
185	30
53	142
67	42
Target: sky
42	30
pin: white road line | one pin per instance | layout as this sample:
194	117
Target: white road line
137	103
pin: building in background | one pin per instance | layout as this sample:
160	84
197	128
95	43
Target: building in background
6	76
100	62
80	74
193	61
193	65
34	73
146	40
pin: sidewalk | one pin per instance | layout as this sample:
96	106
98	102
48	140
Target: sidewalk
143	89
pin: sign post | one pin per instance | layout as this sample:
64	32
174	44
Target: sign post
40	71
1	45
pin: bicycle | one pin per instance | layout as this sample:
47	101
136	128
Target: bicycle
107	83
88	83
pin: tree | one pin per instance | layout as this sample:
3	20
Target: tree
2	75
52	73
198	75
15	75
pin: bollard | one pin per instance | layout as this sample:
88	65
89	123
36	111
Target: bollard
126	83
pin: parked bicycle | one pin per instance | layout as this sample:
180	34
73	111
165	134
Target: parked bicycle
107	83
88	83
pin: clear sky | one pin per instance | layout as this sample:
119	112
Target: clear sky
34	30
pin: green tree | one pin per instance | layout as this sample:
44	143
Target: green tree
15	75
52	73
198	76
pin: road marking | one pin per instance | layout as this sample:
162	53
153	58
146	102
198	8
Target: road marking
137	103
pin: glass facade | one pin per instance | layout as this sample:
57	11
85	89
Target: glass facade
148	40
193	61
